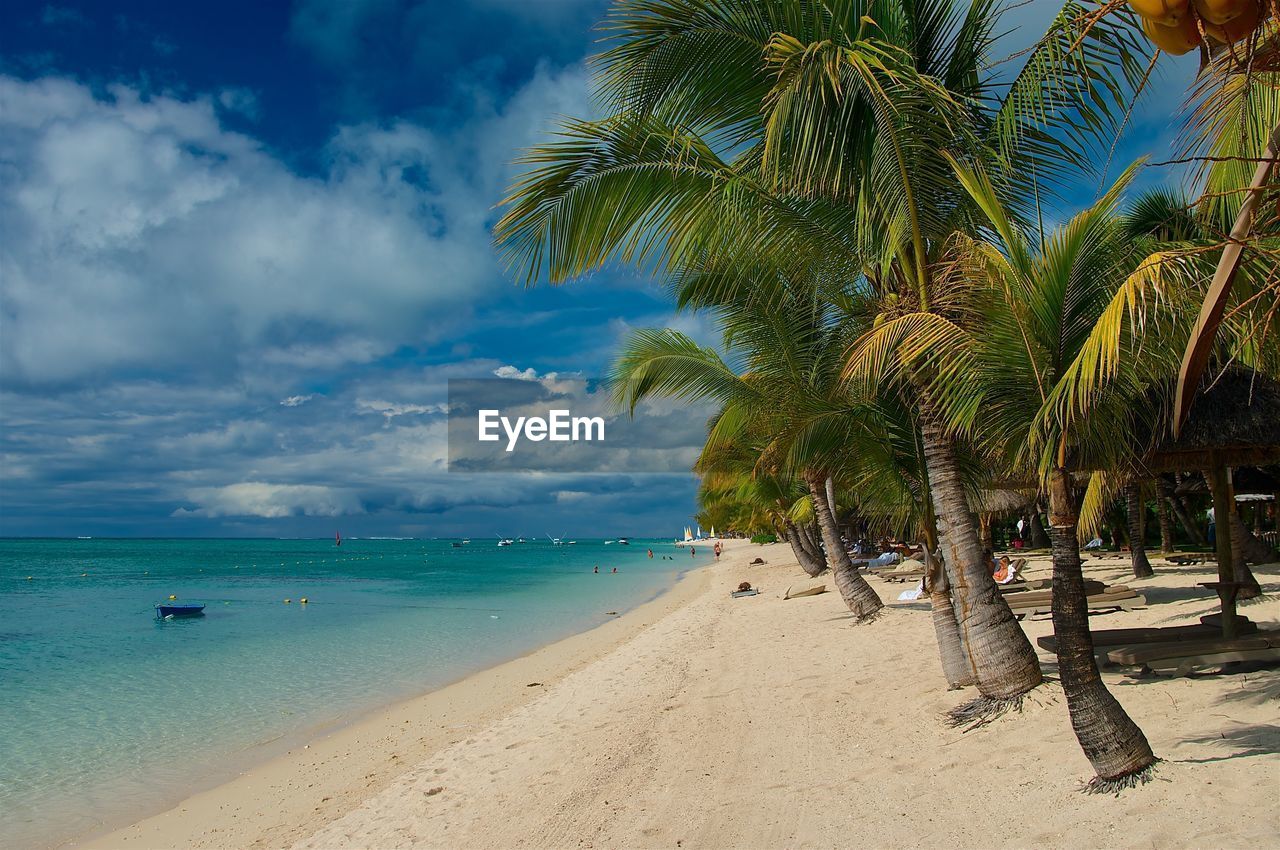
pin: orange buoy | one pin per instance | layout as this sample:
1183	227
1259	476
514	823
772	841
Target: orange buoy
1220	11
1175	40
1236	28
1167	12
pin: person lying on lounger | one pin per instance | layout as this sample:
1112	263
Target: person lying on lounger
1005	570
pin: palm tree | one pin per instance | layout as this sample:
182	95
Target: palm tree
1022	332
788	388
817	129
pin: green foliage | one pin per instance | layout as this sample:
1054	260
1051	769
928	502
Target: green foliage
765	538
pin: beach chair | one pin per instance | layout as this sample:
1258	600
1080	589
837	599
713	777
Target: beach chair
1105	640
1117	598
1183	657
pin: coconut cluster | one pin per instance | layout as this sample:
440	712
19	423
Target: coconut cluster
1178	26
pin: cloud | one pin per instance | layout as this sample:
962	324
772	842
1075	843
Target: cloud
271	501
141	235
57	16
296	400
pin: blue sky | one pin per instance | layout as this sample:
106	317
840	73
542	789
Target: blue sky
243	246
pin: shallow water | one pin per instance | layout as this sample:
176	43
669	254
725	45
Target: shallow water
107	713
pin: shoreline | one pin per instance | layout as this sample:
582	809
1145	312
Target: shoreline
384	741
709	721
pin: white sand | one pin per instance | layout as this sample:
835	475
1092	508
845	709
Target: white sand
706	721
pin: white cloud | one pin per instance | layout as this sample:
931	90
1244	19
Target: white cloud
296	400
391	409
258	499
137	233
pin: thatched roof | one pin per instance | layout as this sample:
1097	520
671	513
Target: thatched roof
1000	501
1235	420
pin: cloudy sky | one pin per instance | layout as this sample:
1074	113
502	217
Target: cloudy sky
244	246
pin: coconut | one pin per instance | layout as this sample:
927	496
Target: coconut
1221	11
1175	40
1236	28
1166	12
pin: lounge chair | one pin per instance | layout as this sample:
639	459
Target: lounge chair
1183	657
1105	640
1117	598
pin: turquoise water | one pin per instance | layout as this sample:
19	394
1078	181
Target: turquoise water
107	714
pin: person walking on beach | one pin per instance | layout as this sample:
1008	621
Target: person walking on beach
717	549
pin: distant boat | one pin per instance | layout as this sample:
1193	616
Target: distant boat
171	610
83	537
337	538
505	541
713	531
623	541
457	545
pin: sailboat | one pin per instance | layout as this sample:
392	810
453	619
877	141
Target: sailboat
337	538
688	537
713	532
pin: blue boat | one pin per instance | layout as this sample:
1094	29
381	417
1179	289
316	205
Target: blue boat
179	609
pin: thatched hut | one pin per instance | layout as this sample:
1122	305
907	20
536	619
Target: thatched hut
1235	421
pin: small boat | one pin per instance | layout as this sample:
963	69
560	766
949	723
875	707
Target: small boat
624	541
337	538
457	545
172	610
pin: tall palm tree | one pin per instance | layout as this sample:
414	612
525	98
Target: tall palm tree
788	387
817	128
1037	315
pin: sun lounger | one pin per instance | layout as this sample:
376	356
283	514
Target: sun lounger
1189	558
1107	639
1182	657
752	592
1115	598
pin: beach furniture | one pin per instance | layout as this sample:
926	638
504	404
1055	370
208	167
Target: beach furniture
1183	657
752	592
907	570
171	610
1107	639
1036	602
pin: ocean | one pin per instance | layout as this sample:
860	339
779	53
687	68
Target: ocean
108	714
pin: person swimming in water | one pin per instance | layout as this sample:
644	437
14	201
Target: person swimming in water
596	568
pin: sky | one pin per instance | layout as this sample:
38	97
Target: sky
244	247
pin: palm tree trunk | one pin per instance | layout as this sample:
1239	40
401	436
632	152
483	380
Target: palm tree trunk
1039	540
1137	548
811	565
1112	742
1245	548
1003	664
855	591
1166	492
955	660
1166	522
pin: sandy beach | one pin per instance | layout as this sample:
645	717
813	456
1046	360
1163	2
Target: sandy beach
699	720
